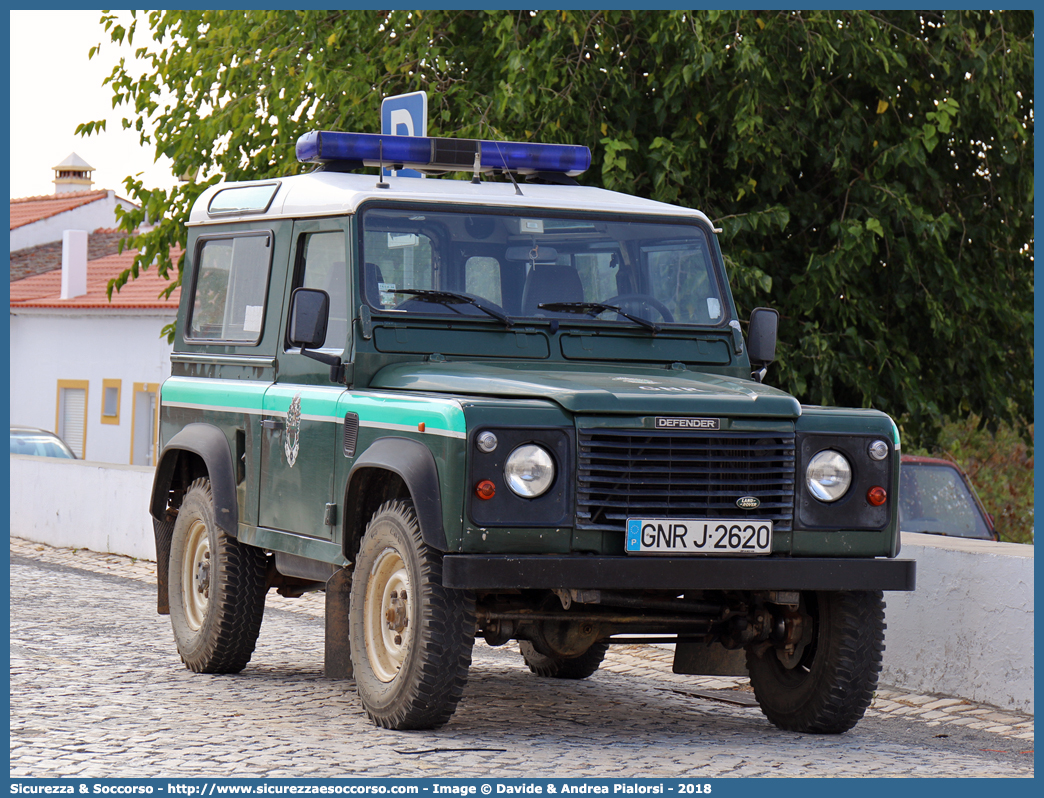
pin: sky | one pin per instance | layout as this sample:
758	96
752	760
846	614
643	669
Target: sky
54	88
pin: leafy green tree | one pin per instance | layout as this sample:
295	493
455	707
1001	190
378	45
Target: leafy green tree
872	171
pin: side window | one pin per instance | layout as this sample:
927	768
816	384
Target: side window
396	260
600	274
323	267
228	303
482	278
681	278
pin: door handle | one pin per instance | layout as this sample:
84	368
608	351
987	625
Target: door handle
273	423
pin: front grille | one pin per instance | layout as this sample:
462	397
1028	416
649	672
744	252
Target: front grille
625	474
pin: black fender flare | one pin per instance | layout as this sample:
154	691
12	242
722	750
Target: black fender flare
211	445
414	463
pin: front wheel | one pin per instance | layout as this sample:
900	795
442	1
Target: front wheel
826	684
564	667
411	638
216	588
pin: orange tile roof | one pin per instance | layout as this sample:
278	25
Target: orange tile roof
32	209
45	257
45	290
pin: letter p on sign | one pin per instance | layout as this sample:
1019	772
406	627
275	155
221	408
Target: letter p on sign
401	122
405	115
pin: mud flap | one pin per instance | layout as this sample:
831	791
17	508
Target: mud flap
164	531
338	658
709	659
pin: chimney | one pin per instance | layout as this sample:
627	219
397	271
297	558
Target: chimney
72	174
74	263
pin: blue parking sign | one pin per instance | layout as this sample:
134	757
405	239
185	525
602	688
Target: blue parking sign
405	115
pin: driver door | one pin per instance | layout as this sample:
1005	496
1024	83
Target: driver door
301	433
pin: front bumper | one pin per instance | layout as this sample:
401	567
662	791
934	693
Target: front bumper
537	571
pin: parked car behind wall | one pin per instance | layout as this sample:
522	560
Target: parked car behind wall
936	497
38	442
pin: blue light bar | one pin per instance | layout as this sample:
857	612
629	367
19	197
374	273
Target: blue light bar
441	155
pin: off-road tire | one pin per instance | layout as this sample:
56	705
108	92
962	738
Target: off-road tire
828	691
410	671
564	667
215	629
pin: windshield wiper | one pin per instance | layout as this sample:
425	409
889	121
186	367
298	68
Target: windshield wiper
452	298
593	309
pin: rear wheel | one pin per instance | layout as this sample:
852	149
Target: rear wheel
411	638
216	588
564	667
827	683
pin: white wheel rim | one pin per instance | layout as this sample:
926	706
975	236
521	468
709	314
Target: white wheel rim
196	576
386	616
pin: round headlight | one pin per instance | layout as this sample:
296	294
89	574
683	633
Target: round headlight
828	476
529	471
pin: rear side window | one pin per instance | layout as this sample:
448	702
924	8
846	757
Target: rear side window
228	301
243	199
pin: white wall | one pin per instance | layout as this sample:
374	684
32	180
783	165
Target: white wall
82	505
100	213
94	345
968	628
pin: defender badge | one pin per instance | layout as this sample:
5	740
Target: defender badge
292	438
672	422
748	502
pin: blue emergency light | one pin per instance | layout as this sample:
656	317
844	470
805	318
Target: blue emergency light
441	155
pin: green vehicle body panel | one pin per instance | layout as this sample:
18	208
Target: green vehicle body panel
322	471
625	391
436	381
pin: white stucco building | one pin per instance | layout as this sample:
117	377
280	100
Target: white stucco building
41	220
73	206
87	368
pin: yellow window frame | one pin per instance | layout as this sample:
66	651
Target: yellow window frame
145	387
62	385
106	384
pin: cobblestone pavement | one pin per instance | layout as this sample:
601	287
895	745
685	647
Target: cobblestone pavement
98	691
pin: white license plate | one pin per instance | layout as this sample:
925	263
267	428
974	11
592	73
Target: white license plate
698	536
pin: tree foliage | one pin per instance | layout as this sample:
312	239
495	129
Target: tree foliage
872	171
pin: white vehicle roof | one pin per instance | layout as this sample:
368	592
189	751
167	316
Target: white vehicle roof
338	193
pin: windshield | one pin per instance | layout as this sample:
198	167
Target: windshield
935	500
533	266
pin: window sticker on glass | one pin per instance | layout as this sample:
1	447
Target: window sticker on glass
530	225
252	318
713	307
398	240
387	297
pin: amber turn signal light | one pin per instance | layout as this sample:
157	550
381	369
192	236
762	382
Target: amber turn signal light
485	489
877	496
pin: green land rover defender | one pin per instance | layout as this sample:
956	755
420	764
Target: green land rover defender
508	407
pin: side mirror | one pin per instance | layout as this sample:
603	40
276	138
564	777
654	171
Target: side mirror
309	315
761	337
